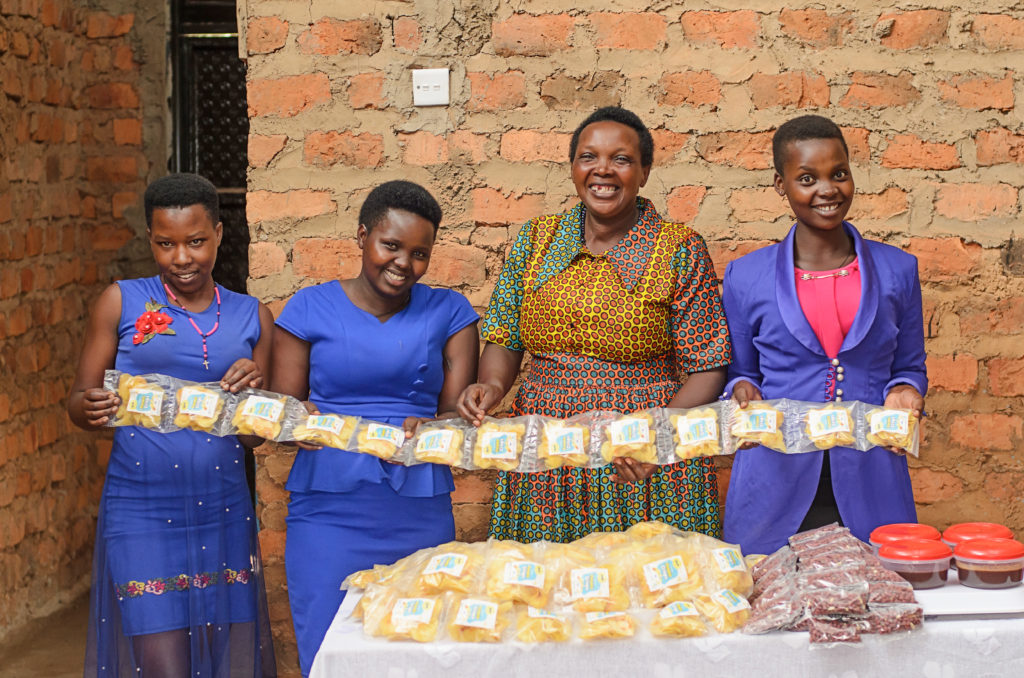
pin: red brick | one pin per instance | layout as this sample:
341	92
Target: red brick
816	27
667	144
265	258
879	206
264	148
933	486
272	543
122	200
266	34
986	431
407	34
979	92
296	204
11	84
500	91
112	168
532	35
908	151
124	58
492	206
366	90
423	148
325	149
100	25
1006	376
999	146
857	142
326	258
288	96
472	488
684	203
627	30
1007	317
467	146
957	372
945	259
6	213
750	150
724	29
879	90
1004	486
976	202
757	204
128	132
920	28
998	31
533	146
452	264
692	88
332	36
793	89
112	95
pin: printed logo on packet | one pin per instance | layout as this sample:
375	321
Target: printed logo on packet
499	444
538	613
524	573
729	560
435	441
826	422
145	400
693	431
263	408
409	612
196	402
590	582
680	608
665	572
481	614
890	421
629	431
447	563
395	436
731	601
566	441
325	422
757	421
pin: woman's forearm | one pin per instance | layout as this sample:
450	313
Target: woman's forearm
700	388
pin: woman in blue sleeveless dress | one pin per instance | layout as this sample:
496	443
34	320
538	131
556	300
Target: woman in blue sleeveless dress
383	347
177	585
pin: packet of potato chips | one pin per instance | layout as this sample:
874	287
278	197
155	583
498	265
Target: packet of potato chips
395	617
455	566
477	619
330	430
726	609
565	442
439	442
629	435
535	625
830	425
378	439
200	406
595	625
892	428
144	400
679	619
516	573
666	569
499	443
269	415
695	432
759	422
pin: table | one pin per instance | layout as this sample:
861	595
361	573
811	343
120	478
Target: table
971	648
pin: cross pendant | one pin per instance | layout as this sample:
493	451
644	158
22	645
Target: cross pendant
206	363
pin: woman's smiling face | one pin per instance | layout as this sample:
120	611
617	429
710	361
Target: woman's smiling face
817	181
607	170
396	252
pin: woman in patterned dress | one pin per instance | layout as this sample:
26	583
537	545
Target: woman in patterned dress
620	310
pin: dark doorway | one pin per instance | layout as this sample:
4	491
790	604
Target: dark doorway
211	121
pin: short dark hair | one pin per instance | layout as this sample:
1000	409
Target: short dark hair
399	195
182	190
800	129
623	117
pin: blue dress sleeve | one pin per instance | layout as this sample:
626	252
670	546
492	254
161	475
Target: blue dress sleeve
295	315
745	363
461	313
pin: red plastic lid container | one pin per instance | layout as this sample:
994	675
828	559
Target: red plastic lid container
994	549
955	534
885	534
915	550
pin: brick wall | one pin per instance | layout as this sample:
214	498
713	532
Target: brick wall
77	87
930	98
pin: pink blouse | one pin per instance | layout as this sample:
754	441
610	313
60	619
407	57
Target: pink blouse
829	302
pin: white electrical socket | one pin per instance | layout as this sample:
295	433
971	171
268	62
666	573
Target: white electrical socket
430	87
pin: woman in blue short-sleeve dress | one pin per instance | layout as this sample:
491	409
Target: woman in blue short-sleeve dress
383	347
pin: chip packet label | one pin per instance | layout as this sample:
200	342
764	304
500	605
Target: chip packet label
756	421
629	431
728	560
391	434
890	421
590	582
663	573
826	422
537	613
499	444
145	400
325	422
269	409
435	441
198	402
598	616
697	430
447	563
680	608
481	614
409	612
566	441
730	600
524	573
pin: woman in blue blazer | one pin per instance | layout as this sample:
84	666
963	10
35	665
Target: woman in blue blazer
877	357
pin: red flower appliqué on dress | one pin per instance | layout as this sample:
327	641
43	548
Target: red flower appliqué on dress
154	321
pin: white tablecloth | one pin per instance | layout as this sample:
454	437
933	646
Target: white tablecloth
976	648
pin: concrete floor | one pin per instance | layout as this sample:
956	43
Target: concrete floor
53	647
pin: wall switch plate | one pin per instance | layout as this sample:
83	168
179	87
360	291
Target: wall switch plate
430	87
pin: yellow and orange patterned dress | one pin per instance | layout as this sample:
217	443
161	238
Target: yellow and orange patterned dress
617	331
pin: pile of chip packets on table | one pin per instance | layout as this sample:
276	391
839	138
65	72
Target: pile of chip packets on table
607	585
829	583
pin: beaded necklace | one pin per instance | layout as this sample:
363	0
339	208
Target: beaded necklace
216	293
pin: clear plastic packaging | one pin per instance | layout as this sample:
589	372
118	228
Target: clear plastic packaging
727	610
477	619
329	430
534	625
595	625
516	572
666	570
499	443
396	617
379	439
892	428
200	407
440	442
679	619
632	436
455	566
697	432
565	443
830	425
759	422
144	400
